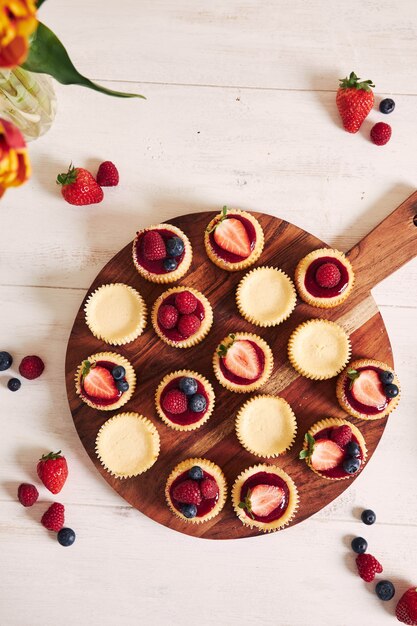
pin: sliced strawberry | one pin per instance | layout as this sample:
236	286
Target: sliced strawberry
368	390
326	455
265	498
99	383
241	360
231	236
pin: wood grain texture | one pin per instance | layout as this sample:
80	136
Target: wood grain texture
216	440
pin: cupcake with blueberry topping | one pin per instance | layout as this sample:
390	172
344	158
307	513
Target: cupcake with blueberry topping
105	381
162	253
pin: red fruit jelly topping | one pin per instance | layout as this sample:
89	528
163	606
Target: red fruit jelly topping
244	381
156	267
325	292
358	406
188	417
338	471
173	333
103	401
206	505
229	256
267	478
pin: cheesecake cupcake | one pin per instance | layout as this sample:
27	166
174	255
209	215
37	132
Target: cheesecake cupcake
115	313
265	497
319	349
368	389
184	400
234	240
266	426
266	296
182	317
334	449
127	445
162	253
324	278
196	490
243	362
105	381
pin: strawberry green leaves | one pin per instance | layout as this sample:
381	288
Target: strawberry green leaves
353	375
354	82
223	348
219	221
307	452
246	504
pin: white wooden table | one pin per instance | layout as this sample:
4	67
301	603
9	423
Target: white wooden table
240	110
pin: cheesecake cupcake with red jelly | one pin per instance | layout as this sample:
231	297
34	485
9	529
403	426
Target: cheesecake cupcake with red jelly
184	400
265	497
182	317
105	381
324	278
196	490
162	253
368	389
234	240
334	449
243	362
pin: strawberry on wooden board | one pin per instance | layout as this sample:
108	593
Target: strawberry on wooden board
366	387
230	234
354	100
241	359
52	469
98	382
322	454
79	186
262	500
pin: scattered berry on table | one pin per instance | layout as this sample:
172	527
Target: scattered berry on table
187	492
385	590
66	537
328	275
351	465
188	325
52	469
353	449
175	401
185	302
406	610
354	100
188	385
122	385
167	316
27	494
118	372
98	382
391	390
381	133
107	175
175	246
341	435
209	489
31	367
368	566
368	517
79	187
188	510
14	384
54	518
6	360
195	472
170	264
359	545
153	246
386	377
197	403
387	105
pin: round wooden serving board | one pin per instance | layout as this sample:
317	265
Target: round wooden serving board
374	258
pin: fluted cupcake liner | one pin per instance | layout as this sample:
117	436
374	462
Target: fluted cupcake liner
212	469
127	435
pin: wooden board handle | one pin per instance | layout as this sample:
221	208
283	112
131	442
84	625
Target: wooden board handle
387	247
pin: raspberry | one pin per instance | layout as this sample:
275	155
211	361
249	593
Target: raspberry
107	175
187	492
328	275
167	316
209	488
406	610
186	302
53	518
175	402
188	325
31	367
368	566
381	133
341	435
27	494
153	246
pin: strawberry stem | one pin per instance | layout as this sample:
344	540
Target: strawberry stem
219	221
246	504
223	347
354	82
353	375
308	451
69	177
51	456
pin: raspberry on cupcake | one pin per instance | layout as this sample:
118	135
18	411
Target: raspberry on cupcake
162	253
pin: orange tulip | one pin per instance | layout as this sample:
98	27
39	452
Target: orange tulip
14	159
17	22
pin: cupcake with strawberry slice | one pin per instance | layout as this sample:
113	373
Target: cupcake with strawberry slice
105	381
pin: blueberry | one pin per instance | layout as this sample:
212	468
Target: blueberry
196	473
118	372
385	590
386	377
353	449
368	517
14	384
188	385
6	360
122	385
391	390
188	510
66	537
387	105
351	465
197	403
359	545
170	265
174	246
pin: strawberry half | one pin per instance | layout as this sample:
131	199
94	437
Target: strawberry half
98	382
230	235
242	361
264	499
326	455
367	388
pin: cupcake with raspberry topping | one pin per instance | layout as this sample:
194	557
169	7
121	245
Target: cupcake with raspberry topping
324	278
162	253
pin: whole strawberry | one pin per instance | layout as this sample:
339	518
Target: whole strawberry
354	100
27	494
53	471
368	566
53	518
79	186
107	175
406	610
